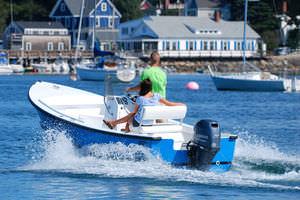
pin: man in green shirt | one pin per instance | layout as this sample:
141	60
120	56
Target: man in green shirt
157	76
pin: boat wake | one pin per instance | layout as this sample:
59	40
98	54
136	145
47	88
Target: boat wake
256	163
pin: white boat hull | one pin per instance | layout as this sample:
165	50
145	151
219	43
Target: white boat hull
91	74
99	74
5	69
17	68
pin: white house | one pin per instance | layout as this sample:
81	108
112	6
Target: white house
187	36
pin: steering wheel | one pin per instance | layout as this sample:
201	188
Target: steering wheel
132	98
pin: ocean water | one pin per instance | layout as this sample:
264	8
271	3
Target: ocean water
38	164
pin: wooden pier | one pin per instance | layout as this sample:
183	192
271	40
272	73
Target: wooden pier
47	55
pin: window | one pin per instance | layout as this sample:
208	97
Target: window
174	45
225	47
62	33
28	32
191	45
205	45
211	45
28	46
60	46
124	31
41	32
110	22
50	46
167	45
132	29
62	7
239	46
97	22
104	7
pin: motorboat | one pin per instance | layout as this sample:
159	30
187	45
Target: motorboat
80	115
43	67
17	68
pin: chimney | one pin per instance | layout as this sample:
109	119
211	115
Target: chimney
284	7
217	15
167	2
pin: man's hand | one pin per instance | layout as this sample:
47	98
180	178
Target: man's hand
128	89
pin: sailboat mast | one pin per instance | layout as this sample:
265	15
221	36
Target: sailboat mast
244	36
79	30
94	26
11	12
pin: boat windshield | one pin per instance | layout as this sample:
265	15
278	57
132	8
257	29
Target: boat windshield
108	91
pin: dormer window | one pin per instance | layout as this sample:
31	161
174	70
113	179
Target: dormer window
103	7
62	7
202	31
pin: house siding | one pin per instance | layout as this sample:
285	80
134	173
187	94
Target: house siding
104	20
40	43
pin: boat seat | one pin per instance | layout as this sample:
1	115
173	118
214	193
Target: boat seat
161	112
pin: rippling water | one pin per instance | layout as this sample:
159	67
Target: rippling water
37	164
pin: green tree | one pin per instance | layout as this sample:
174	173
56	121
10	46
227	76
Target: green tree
271	38
25	10
130	9
261	17
4	15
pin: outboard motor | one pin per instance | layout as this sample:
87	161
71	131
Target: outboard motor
204	145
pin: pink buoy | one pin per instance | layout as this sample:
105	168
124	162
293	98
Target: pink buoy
192	86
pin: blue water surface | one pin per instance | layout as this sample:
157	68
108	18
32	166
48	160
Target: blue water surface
38	164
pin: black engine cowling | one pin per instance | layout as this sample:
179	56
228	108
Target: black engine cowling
204	145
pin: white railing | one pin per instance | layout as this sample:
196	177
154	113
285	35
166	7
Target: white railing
229	54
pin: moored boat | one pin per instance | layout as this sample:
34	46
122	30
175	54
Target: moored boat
104	64
80	114
5	68
252	81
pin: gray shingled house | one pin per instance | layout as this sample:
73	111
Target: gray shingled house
37	36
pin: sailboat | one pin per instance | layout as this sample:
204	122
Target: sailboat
252	81
105	63
18	66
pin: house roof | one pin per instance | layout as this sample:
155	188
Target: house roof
75	6
197	27
40	25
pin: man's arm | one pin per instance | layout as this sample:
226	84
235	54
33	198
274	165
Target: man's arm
135	88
